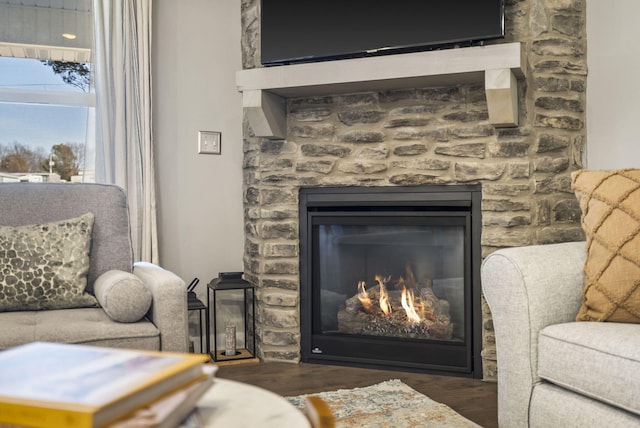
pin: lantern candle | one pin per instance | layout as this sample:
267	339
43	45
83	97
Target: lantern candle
230	340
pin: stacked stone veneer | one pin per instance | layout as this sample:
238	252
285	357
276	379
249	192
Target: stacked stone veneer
418	136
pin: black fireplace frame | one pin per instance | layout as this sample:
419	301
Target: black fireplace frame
436	356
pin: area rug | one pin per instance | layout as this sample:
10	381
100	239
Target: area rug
387	404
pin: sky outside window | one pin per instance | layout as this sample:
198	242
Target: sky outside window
38	125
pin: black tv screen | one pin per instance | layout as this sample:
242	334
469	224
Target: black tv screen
303	31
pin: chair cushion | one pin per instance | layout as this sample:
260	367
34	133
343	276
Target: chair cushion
44	266
85	325
555	407
599	360
122	295
610	203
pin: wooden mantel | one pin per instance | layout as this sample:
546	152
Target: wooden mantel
264	90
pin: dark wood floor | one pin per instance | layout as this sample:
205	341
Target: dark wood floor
472	398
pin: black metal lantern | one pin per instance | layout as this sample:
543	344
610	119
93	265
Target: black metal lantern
232	306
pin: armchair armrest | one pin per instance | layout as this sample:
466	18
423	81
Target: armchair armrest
168	310
527	289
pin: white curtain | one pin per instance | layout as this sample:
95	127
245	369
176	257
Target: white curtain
124	140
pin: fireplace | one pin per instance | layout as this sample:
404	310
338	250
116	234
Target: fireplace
389	277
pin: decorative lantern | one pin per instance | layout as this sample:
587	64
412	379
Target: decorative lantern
232	306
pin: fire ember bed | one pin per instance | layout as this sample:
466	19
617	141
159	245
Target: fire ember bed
397	308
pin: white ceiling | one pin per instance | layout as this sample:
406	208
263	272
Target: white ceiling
79	5
34	28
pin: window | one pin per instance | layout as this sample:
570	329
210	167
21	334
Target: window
47	101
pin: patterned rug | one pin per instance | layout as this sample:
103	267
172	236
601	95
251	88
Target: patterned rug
387	404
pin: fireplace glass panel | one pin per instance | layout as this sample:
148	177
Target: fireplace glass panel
391	277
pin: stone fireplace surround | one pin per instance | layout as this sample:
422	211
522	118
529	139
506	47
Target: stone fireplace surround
419	133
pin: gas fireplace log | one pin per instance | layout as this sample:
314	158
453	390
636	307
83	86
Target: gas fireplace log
435	322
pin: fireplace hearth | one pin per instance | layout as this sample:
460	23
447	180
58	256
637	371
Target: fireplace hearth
389	277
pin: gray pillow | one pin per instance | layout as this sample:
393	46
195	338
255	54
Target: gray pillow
122	295
44	266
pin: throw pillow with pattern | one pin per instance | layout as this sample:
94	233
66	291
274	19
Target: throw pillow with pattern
44	266
610	204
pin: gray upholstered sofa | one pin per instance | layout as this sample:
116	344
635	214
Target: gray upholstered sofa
553	371
163	323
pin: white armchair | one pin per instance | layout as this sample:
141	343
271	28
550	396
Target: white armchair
552	370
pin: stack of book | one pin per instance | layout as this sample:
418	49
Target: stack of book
77	386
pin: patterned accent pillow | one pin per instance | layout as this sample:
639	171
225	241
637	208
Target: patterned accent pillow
44	266
610	203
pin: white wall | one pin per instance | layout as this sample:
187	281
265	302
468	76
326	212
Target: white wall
613	84
196	52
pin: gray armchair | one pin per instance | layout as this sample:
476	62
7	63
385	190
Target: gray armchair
164	326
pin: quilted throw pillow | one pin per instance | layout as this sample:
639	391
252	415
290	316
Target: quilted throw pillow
45	266
610	204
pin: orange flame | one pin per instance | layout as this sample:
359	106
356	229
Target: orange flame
363	296
413	309
385	305
407	299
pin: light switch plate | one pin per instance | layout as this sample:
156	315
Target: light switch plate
209	142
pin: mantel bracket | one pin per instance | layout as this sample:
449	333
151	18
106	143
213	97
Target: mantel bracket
266	112
501	88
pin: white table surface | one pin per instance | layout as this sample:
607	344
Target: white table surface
231	404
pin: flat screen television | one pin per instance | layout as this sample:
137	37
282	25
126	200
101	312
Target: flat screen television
304	31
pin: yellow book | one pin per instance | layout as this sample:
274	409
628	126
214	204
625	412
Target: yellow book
78	386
